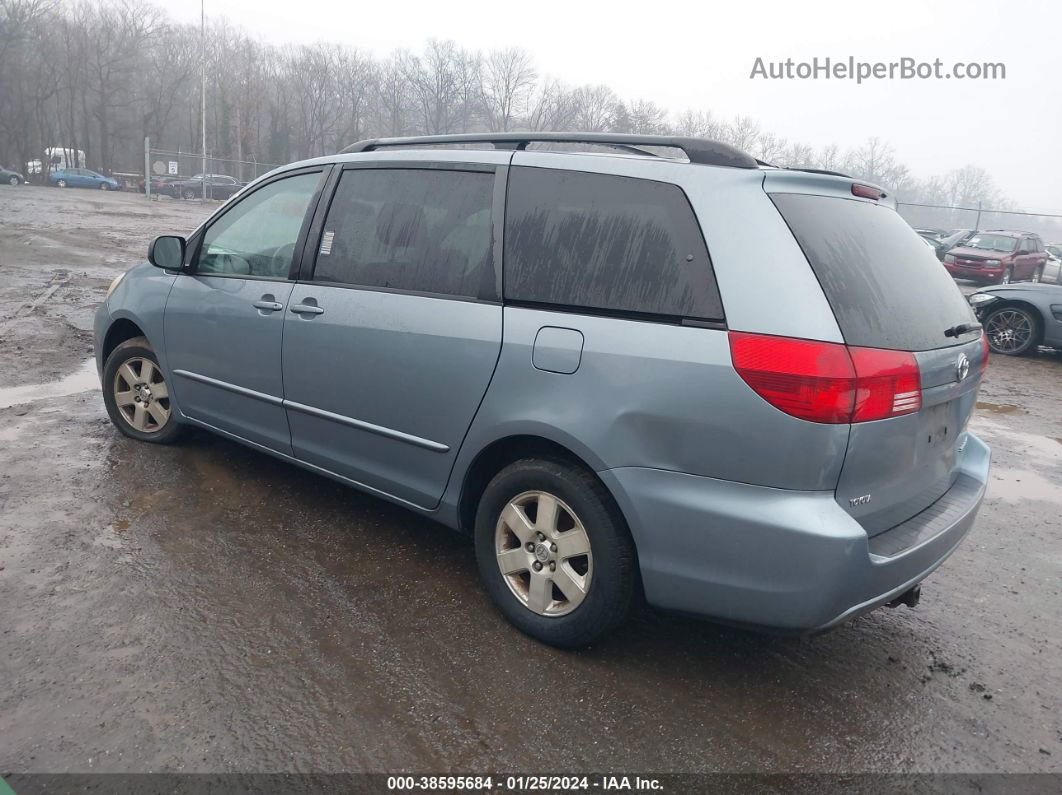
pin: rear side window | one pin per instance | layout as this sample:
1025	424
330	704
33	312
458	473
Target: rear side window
885	286
605	242
422	230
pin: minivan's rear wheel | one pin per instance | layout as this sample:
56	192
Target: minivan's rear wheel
1012	331
137	396
554	552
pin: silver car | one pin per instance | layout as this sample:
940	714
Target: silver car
1053	268
656	369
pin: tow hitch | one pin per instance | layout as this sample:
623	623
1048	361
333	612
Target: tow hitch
909	597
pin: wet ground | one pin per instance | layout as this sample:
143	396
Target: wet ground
207	608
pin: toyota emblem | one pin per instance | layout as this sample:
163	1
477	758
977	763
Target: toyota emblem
962	367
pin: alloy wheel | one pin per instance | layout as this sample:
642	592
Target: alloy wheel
13	181
141	395
543	553
1009	330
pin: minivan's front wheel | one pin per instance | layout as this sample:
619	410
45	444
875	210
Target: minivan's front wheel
554	552
137	396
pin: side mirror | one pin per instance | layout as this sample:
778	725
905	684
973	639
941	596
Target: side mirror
167	252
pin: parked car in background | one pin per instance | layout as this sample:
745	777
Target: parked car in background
625	435
952	239
1053	268
998	257
9	177
1019	317
82	178
934	243
158	184
217	186
935	234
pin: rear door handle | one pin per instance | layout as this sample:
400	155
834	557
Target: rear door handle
307	309
268	306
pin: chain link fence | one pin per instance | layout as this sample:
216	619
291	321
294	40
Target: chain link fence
179	174
945	218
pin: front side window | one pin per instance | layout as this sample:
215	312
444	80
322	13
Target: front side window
606	242
257	236
422	230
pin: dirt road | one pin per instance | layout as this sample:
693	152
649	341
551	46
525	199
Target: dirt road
207	608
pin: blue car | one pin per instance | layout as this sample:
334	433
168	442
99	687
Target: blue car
82	178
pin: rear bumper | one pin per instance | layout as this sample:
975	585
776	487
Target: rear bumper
787	560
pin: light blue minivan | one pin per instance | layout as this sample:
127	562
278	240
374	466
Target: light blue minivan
628	366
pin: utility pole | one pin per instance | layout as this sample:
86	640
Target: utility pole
202	59
977	223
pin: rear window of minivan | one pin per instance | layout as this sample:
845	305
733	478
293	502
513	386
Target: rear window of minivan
886	287
604	242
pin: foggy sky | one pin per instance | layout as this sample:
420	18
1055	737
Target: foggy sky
699	55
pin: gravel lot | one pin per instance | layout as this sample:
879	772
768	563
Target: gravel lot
207	608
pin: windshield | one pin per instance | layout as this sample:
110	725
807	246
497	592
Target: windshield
1055	251
1001	243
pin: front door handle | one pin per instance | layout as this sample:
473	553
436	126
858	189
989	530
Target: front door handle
268	306
307	309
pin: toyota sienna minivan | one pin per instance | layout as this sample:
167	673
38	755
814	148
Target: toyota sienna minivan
651	367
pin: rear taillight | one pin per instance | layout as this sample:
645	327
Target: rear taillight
888	384
826	381
984	353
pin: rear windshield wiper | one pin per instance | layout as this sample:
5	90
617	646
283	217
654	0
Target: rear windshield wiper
959	330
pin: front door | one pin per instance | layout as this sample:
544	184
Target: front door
389	348
225	319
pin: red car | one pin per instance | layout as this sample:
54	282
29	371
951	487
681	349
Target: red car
998	257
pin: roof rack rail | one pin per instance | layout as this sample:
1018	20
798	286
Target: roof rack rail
807	170
698	150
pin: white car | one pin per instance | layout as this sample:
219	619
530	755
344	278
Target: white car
1053	268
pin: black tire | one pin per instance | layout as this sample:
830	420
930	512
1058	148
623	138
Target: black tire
1038	275
104	186
1013	330
13	181
189	194
137	348
611	589
1008	275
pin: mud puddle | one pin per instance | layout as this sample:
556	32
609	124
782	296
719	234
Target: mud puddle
81	380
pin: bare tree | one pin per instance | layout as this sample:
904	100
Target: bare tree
743	132
595	108
552	107
98	75
507	80
439	81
